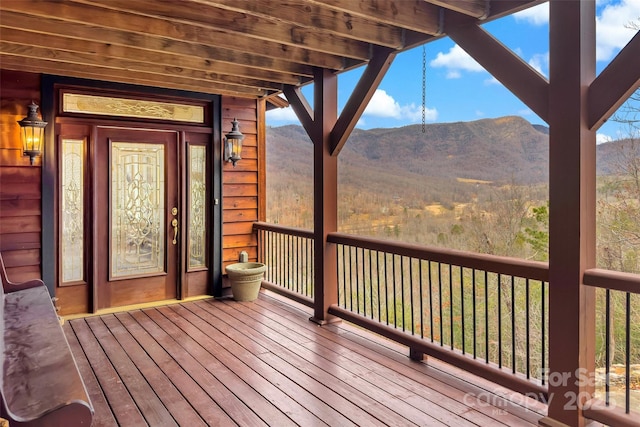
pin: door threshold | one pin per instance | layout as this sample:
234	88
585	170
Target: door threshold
132	307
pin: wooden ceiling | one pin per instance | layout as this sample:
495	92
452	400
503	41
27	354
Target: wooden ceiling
247	48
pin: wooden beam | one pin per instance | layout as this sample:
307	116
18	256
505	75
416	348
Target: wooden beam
118	52
325	195
42	27
317	16
478	9
12	62
615	84
100	17
572	209
418	16
215	19
360	97
517	76
88	60
301	107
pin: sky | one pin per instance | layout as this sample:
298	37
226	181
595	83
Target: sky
450	70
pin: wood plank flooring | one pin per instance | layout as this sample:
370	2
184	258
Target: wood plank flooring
222	362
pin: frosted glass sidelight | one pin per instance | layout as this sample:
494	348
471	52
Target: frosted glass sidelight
72	210
197	207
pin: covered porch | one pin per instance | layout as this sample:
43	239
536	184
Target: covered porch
234	60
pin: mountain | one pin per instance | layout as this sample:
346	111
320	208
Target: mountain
497	150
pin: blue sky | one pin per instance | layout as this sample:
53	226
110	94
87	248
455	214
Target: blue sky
397	102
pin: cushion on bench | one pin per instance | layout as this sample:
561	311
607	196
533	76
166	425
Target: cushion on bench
40	384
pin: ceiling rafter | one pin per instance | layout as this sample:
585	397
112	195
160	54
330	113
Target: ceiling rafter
215	19
123	53
45	27
125	21
478	9
318	18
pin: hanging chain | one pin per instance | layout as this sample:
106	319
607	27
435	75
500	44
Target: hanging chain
424	87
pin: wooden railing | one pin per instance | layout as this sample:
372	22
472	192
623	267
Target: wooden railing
482	313
485	314
288	254
619	297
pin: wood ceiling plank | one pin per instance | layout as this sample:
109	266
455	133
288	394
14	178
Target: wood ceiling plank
415	15
476	8
39	65
92	60
75	30
100	17
108	50
253	28
317	16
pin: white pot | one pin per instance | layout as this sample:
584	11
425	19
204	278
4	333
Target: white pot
245	278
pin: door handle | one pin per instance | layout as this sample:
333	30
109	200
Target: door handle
174	223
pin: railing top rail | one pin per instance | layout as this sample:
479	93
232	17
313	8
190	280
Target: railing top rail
293	231
615	280
497	264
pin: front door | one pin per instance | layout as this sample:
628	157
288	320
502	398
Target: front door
137	216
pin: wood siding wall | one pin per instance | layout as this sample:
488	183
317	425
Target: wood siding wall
20	183
242	185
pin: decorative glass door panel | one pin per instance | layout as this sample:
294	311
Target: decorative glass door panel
137	238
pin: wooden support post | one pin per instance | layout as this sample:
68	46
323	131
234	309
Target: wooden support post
572	210
325	183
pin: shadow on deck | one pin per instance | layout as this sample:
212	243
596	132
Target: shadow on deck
221	362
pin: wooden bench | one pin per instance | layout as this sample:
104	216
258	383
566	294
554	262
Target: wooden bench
40	383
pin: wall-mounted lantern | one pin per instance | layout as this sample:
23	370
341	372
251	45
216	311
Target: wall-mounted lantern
32	132
233	144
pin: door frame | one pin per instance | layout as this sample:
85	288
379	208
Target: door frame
50	88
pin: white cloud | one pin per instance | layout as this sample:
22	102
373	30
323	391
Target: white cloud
602	138
282	115
455	61
540	62
537	15
383	105
612	30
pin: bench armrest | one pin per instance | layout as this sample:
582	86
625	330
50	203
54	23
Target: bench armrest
13	287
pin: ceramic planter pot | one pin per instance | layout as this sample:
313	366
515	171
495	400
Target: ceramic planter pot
245	278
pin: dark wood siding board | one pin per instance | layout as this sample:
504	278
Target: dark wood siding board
198	390
250	202
19	241
240	215
238	228
22	190
231	176
19	207
199	363
238	190
20	224
103	416
239	241
22	274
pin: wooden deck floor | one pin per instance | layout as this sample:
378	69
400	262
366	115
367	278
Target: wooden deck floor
221	362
